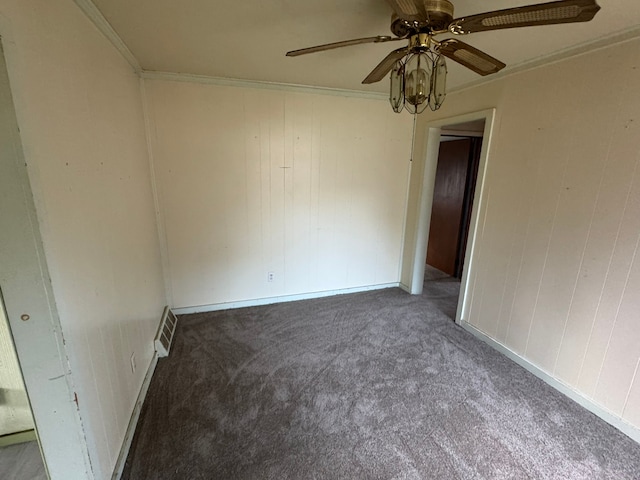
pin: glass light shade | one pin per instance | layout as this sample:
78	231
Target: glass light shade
396	94
417	82
439	83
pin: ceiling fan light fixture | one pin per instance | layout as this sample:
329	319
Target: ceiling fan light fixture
419	70
417	81
396	93
439	83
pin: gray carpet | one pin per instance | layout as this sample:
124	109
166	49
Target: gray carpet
22	461
377	385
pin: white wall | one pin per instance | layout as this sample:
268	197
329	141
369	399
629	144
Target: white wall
310	187
557	265
79	108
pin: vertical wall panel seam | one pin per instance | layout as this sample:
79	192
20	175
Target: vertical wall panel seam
635	373
114	413
247	168
522	254
270	189
621	99
624	291
633	381
626	283
405	220
587	238
317	206
151	134
515	288
611	257
350	176
309	179
521	207
615	322
287	224
551	238
504	283
533	200
262	187
310	224
101	407
479	292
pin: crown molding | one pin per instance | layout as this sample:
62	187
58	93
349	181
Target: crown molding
101	23
600	43
92	12
235	82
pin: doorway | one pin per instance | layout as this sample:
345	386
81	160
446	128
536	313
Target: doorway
474	125
15	413
20	456
456	172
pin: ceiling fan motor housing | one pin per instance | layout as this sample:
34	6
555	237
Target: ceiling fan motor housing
440	13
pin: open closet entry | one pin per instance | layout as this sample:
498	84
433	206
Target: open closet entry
454	188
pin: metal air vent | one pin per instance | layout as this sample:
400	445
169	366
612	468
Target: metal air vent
167	329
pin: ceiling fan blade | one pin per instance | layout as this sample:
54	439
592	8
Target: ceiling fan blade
470	57
346	43
564	11
410	10
385	66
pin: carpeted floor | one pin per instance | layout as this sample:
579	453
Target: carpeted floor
377	385
22	461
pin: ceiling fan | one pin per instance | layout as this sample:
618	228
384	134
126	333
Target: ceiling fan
418	70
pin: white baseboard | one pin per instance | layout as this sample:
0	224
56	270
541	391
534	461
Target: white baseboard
18	437
598	410
133	422
404	287
285	298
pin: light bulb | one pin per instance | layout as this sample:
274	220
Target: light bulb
417	82
417	87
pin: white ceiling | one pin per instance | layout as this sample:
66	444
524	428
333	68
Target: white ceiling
248	39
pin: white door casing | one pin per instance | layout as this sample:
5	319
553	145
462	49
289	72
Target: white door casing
423	216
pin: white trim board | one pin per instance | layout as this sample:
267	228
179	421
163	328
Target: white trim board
133	422
236	82
555	57
599	411
101	23
281	299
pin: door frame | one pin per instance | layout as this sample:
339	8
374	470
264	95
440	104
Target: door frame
423	216
29	303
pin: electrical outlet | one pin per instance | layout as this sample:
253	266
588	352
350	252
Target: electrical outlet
133	362
271	276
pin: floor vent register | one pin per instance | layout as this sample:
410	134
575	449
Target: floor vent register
165	332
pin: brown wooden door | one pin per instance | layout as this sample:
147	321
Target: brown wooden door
449	213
